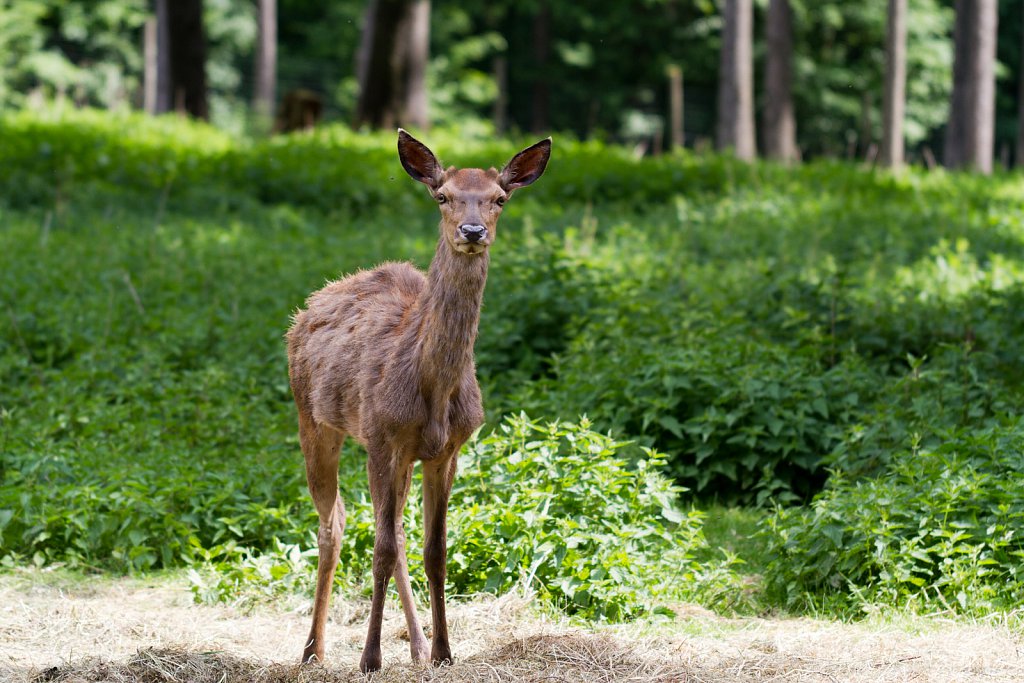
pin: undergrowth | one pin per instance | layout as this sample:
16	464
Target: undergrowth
838	345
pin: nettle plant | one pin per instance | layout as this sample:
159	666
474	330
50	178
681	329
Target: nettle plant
938	525
557	508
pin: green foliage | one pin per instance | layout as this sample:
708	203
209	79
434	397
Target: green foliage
332	168
91	52
557	508
602	65
86	51
745	418
758	325
938	524
840	68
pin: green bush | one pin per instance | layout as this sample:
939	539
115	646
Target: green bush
557	508
744	418
937	525
925	493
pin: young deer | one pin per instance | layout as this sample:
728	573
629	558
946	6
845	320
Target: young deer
386	356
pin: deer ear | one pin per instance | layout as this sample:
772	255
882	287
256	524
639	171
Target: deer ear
526	167
418	161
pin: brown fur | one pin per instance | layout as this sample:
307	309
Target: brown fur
386	356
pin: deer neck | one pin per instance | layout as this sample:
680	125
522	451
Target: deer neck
449	307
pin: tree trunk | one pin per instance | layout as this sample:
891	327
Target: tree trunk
541	49
779	119
1020	100
392	64
157	49
188	57
894	96
971	128
414	74
675	109
264	96
149	74
736	80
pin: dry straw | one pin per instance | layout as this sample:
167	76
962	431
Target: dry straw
133	630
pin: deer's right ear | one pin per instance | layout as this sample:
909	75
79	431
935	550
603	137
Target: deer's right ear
418	161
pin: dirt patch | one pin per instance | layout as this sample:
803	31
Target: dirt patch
132	630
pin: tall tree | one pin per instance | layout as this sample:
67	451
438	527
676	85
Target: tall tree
894	95
416	32
392	64
779	119
377	60
157	77
736	80
971	128
266	57
675	108
188	57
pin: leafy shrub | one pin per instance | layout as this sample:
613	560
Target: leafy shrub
67	507
742	418
534	294
557	508
938	524
554	508
44	159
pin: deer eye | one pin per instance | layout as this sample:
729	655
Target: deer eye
441	199
500	201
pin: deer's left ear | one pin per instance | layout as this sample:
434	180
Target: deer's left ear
418	161
526	167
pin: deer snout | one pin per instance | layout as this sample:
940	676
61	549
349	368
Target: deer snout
473	232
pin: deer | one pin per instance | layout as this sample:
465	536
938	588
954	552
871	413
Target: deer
385	356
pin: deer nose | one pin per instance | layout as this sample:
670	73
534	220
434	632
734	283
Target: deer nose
473	232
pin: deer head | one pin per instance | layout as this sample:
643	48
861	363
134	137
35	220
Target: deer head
471	199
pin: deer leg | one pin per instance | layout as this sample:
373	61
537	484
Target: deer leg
437	485
417	641
320	447
385	485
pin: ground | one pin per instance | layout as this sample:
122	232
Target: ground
55	628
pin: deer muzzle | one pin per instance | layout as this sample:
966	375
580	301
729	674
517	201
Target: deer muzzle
471	238
473	232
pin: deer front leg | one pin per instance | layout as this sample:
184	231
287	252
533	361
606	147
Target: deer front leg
437	486
385	485
417	641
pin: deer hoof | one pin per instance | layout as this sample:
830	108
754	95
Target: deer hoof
370	661
442	655
312	654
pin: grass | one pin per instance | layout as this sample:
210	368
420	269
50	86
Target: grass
737	531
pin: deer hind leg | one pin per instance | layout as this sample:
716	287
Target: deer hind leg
320	446
437	485
417	641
